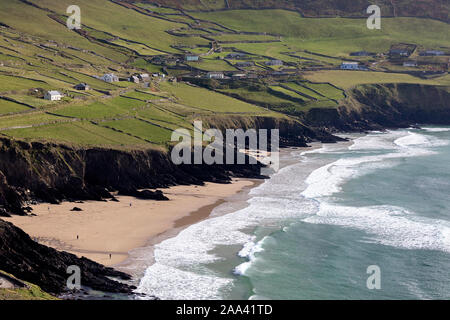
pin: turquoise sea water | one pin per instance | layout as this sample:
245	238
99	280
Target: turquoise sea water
313	229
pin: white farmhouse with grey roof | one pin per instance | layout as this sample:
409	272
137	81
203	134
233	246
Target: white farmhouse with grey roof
53	95
110	77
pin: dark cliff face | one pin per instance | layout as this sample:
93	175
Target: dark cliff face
51	173
379	106
47	267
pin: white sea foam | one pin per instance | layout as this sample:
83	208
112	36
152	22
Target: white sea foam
169	283
385	224
249	252
416	139
329	179
436	129
388	225
181	268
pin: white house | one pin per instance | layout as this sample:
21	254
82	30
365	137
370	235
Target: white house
274	63
350	65
110	77
53	95
215	75
144	76
191	57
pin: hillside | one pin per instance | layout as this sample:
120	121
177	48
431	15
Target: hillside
436	9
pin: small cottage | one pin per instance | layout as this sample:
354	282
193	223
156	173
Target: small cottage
399	52
350	66
82	87
144	76
110	77
53	95
134	79
274	63
432	53
245	64
360	54
215	75
191	58
236	56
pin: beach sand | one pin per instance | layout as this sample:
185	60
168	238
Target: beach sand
115	228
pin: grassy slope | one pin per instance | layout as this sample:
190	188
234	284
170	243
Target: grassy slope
209	101
334	36
33	292
436	9
348	79
36	22
126	23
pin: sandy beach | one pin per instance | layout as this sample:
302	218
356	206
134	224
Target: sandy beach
106	231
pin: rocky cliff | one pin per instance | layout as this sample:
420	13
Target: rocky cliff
52	172
47	267
379	106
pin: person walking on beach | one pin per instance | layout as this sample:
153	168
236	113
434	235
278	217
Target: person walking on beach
110	256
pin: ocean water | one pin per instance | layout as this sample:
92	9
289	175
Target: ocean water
313	229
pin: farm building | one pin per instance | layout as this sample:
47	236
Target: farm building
410	64
134	79
215	75
144	76
350	66
238	75
360	54
53	95
274	63
432	53
236	56
244	64
399	52
191	57
82	87
110	77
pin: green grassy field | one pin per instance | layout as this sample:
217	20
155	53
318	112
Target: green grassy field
333	36
81	133
141	129
212	65
11	107
206	100
349	79
304	90
289	93
9	83
102	109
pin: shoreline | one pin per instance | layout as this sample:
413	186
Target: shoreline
94	232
